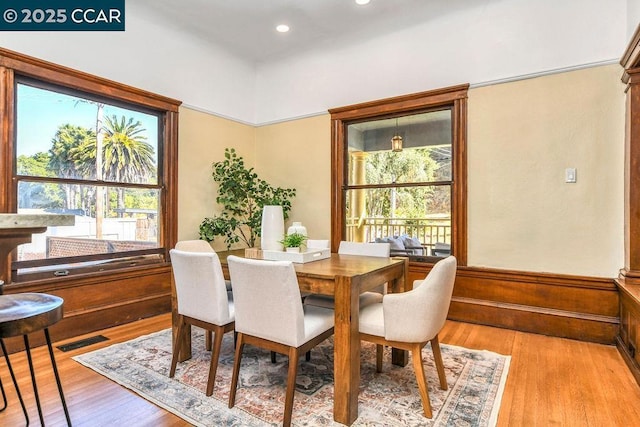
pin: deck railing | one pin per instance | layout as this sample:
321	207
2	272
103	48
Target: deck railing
427	230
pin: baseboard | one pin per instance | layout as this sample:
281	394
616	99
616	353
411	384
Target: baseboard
539	320
576	307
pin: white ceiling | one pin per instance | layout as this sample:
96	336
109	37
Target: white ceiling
246	28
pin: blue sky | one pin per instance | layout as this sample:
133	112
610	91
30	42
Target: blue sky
41	112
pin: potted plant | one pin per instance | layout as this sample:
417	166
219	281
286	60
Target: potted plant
242	195
293	242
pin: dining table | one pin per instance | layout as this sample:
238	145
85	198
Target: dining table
344	277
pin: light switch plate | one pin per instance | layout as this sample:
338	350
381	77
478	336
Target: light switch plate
570	175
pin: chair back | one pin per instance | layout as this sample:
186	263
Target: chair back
194	246
267	300
424	308
201	292
317	244
367	249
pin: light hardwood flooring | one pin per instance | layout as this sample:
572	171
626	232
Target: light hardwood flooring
552	381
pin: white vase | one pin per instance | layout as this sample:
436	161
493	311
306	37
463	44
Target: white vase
297	227
272	228
295	250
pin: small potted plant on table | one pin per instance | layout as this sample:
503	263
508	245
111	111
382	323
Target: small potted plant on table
293	242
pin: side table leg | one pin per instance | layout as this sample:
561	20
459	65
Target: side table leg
55	372
33	378
15	382
4	396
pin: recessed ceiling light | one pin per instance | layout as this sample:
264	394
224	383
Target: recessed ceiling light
282	28
362	2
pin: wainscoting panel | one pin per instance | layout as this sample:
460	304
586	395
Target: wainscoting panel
629	339
582	308
98	301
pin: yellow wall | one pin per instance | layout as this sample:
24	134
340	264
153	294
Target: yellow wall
298	154
202	140
522	136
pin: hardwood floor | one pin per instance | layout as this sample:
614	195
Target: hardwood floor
551	381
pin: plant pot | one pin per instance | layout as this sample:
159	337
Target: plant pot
294	250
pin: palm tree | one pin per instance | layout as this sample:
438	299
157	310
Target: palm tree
65	145
128	157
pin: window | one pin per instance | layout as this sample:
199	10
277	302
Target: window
95	149
412	196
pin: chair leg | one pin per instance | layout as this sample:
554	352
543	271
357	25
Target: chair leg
236	370
273	357
307	356
416	353
291	386
177	347
215	354
437	357
207	340
379	354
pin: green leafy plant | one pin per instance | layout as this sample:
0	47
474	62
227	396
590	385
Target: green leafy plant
242	195
293	240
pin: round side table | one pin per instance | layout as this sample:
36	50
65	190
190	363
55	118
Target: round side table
22	314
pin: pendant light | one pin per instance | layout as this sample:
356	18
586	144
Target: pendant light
396	141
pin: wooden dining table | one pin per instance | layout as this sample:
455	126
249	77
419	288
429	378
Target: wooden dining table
344	277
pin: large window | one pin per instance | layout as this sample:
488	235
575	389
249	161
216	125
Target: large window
400	174
97	150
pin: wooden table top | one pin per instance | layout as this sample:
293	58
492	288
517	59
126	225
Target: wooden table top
21	314
336	265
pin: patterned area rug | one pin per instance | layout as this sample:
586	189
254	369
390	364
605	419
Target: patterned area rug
476	381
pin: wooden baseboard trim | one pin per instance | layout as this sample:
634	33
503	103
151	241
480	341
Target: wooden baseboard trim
557	323
116	306
539	310
569	306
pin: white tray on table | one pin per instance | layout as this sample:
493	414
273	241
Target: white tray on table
297	257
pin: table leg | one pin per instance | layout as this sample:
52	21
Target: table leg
4	396
346	352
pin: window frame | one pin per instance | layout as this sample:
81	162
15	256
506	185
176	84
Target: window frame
454	97
15	67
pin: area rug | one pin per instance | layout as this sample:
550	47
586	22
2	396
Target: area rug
476	382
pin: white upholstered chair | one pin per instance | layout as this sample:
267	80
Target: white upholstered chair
201	246
198	246
317	244
356	248
194	246
203	301
410	319
270	315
